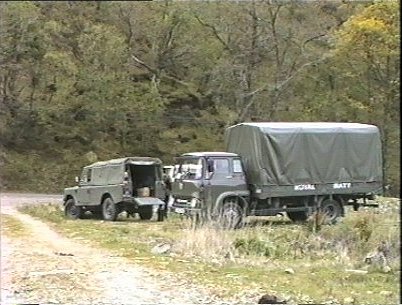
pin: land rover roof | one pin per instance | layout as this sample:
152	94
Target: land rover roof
132	160
210	154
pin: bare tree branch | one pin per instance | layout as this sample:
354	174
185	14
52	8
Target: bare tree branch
214	31
277	87
155	72
143	64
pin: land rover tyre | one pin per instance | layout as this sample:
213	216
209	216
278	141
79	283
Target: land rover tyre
145	212
332	209
71	210
297	216
109	209
162	213
231	214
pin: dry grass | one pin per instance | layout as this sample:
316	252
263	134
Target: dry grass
206	242
256	257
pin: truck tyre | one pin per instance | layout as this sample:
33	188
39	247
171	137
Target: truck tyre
71	210
298	216
231	214
145	212
332	209
109	209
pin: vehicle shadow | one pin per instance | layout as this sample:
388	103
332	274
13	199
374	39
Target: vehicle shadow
251	222
269	222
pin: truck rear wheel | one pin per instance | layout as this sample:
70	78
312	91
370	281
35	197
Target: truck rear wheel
109	209
332	210
231	214
71	210
145	212
297	216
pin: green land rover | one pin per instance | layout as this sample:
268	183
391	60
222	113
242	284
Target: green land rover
131	184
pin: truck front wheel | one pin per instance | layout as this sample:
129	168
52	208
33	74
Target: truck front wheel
71	210
109	209
332	210
231	215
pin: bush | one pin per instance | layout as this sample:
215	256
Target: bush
254	246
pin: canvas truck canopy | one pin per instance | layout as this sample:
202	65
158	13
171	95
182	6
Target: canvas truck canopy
299	153
111	171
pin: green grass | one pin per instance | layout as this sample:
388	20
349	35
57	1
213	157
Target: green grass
253	260
12	227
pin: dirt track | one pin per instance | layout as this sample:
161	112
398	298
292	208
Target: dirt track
44	267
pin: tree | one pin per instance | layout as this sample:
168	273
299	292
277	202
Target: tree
360	80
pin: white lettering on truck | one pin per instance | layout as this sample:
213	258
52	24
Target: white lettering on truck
304	187
343	185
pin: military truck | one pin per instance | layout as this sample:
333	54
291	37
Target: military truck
272	168
107	188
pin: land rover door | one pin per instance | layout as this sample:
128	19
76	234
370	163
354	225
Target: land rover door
84	187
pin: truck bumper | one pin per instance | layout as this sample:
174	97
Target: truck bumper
181	208
143	201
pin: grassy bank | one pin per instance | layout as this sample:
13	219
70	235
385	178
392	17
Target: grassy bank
269	255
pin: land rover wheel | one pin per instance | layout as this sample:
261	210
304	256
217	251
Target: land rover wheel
71	210
231	214
145	212
109	209
297	216
332	209
162	213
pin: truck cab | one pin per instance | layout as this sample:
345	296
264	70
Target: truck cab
211	184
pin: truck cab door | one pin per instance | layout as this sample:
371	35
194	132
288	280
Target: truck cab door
225	176
219	178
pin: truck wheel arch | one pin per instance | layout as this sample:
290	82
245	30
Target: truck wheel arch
239	195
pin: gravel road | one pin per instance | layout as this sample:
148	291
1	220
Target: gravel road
46	268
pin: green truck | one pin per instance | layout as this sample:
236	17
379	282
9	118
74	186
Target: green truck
107	188
271	168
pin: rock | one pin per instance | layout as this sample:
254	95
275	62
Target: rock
229	256
161	249
63	254
348	300
289	271
386	293
356	271
386	269
270	299
52	272
376	258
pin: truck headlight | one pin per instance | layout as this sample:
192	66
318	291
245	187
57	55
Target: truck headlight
258	191
193	202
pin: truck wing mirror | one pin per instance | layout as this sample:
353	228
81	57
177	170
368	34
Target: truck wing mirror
77	179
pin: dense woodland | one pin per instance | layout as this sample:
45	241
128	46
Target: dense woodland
86	81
